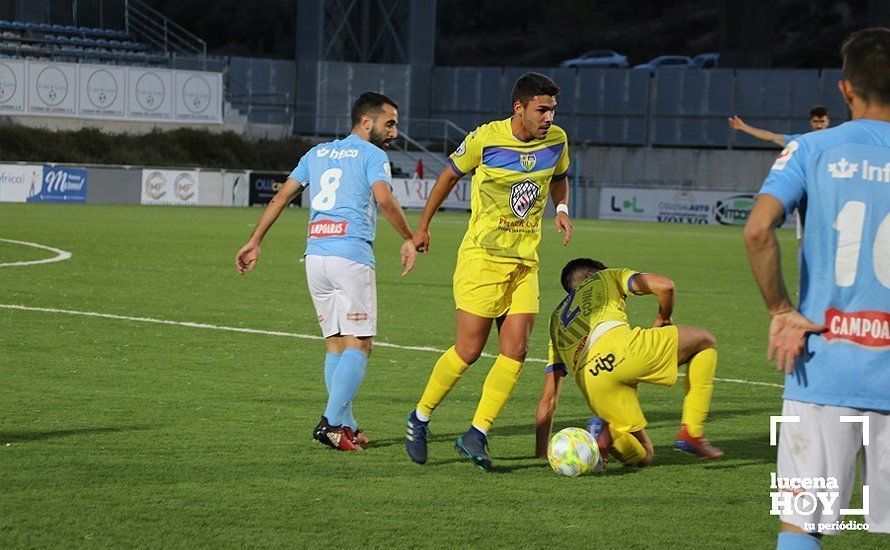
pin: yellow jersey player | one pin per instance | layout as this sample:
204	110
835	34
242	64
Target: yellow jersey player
591	339
517	163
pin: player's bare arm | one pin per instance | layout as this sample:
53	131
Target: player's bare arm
392	211
765	135
663	289
546	408
249	254
559	192
444	184
788	328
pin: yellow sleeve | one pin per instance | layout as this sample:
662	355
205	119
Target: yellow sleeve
469	155
621	279
562	163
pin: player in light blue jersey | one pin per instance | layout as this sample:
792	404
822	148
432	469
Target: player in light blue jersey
348	179
835	347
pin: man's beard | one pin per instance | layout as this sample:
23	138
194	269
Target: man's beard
378	139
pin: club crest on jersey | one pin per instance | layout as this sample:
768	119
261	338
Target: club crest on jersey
527	160
523	195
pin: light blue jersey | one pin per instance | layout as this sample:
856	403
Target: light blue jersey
842	175
788	138
343	210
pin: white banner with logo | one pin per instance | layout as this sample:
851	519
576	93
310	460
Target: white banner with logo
102	91
413	193
12	86
109	92
170	187
18	182
677	206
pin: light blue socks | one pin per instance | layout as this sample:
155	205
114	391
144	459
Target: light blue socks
343	374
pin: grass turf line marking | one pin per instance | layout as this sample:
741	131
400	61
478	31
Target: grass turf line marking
208	326
60	256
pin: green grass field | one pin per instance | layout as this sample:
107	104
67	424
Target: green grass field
125	433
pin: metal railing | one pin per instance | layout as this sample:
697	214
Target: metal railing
154	28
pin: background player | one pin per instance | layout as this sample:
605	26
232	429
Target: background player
839	368
517	161
590	336
345	178
819	120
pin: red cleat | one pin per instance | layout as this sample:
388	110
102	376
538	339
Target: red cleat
343	439
360	438
696	445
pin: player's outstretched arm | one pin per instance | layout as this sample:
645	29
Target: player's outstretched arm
788	328
663	289
249	254
559	191
392	211
546	408
444	184
765	135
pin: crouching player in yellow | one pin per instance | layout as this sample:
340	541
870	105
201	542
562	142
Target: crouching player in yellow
591	338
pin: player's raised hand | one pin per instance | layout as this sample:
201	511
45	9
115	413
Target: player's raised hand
787	337
422	240
247	257
563	223
409	256
736	123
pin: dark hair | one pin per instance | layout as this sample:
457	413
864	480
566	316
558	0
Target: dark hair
369	102
531	84
818	111
866	56
574	265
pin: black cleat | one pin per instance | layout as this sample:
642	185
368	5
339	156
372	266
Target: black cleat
416	433
474	445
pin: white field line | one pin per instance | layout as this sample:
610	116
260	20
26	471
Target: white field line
60	256
287	334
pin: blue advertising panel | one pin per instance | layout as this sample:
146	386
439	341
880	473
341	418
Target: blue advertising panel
62	184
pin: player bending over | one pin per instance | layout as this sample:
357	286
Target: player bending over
591	338
347	180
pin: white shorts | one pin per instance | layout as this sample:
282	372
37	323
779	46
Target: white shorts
821	446
345	295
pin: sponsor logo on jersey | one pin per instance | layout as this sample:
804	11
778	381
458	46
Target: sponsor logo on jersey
462	150
335	154
527	161
327	228
523	195
866	328
785	156
844	170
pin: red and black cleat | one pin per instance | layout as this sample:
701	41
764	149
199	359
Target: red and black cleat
360	438
696	445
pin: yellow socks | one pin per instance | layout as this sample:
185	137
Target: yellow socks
627	448
499	384
699	386
446	373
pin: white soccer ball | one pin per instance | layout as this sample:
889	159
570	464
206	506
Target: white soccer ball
573	452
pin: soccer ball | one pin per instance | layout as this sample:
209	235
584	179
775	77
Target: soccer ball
573	452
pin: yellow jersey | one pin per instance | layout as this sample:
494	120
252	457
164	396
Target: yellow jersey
595	306
509	190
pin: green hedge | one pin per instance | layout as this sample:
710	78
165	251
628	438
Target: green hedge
183	147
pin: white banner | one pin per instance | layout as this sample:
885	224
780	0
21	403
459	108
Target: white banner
20	181
110	92
52	88
103	91
12	86
413	193
150	94
198	96
236	186
170	187
677	206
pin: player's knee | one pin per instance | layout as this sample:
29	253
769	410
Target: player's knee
708	341
470	353
517	353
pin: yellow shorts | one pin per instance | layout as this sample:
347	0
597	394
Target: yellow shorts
490	289
616	364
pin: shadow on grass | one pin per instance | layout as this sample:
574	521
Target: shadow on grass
40	435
